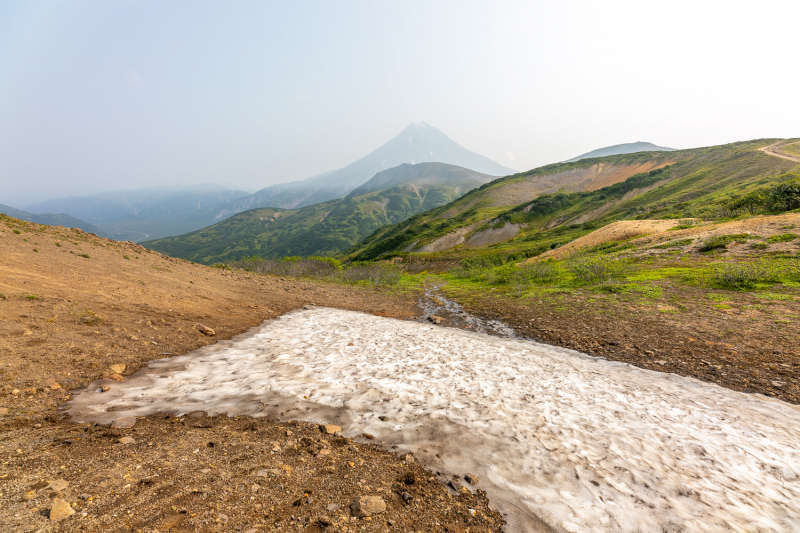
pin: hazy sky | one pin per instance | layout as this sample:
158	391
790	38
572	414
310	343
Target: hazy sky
129	93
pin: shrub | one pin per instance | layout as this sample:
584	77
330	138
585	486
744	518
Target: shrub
85	255
17	231
744	275
716	242
785	237
2	296
759	246
31	297
598	269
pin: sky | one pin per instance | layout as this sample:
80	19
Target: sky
98	95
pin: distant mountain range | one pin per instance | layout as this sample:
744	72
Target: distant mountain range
52	219
618	149
146	213
154	213
326	228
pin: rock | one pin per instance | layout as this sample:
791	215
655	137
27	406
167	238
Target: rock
127	440
367	506
407	497
471	479
323	452
205	330
409	458
455	485
331	507
435	319
269	471
126	422
778	383
105	388
368	436
53	384
84	497
60	509
330	429
117	369
15	392
3	411
58	484
222	518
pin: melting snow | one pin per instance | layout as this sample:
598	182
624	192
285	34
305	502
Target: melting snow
583	444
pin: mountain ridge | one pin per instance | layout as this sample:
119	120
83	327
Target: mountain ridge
620	149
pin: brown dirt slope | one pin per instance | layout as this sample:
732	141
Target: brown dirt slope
75	308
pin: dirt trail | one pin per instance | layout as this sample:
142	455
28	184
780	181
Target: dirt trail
774	150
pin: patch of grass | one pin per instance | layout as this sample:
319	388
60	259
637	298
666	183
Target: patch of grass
773	296
126	257
721	306
685	224
716	297
2	296
784	237
31	296
673	244
17	231
85	256
35	250
759	246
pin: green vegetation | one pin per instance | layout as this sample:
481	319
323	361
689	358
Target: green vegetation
17	231
785	237
326	268
31	297
85	255
327	228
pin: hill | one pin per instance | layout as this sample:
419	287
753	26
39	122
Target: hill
418	143
618	149
521	213
51	219
148	212
327	228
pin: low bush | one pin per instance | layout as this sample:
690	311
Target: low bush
598	269
716	242
745	275
785	237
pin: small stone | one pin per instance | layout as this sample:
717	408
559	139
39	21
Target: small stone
407	497
330	429
105	388
471	479
364	506
126	422
368	436
15	392
3	411
127	440
205	330
58	484
60	509
331	507
409	458
116	377
778	383
269	471
471	511
117	369
222	518
84	496
53	384
435	319
455	485
323	452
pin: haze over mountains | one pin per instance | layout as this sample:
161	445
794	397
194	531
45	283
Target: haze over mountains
418	143
154	213
53	219
619	149
326	228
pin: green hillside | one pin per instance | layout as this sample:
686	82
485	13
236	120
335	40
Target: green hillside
703	182
327	228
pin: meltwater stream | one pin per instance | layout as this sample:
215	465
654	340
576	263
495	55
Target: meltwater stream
557	437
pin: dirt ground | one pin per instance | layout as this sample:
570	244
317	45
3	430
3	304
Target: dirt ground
75	308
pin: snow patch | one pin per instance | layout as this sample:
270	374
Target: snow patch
584	444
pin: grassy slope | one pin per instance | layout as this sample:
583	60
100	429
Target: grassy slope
700	177
327	228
